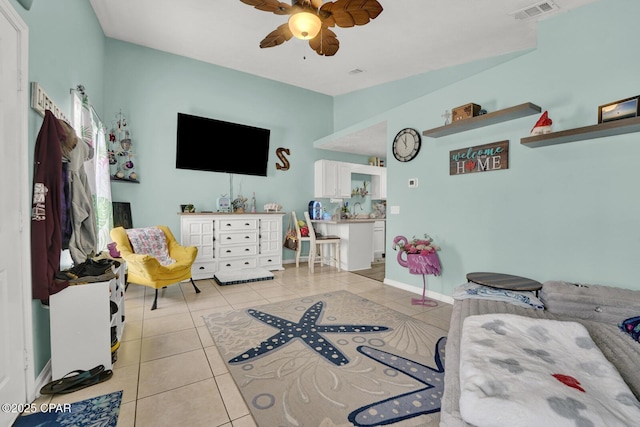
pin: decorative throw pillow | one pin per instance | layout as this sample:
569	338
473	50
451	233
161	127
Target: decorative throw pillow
150	241
632	327
475	291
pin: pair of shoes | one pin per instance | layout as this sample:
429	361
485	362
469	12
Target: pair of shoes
77	380
105	277
89	268
104	262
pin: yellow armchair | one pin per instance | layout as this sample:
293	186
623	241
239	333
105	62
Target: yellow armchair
145	269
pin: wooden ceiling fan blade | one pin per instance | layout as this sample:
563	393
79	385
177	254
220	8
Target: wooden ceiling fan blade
325	43
274	6
277	36
348	13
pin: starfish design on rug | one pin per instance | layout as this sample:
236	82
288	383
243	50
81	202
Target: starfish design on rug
408	405
307	330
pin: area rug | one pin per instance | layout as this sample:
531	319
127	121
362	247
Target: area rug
101	411
333	359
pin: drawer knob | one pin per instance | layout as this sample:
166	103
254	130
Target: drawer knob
228	265
247	249
228	251
228	238
201	268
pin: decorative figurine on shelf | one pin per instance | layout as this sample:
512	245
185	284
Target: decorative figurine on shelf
421	258
447	117
253	203
543	125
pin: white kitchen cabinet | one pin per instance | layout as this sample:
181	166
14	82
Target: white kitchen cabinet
378	239
379	185
232	241
332	179
81	323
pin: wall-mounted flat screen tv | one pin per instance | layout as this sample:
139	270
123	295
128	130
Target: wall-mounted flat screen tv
217	146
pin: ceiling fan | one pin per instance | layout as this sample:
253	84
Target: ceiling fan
311	19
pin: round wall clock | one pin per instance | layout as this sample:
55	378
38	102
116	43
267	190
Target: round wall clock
406	145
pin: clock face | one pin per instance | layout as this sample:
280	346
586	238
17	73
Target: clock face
406	145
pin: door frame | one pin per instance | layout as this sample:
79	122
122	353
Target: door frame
22	31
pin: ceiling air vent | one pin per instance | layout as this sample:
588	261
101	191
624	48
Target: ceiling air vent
535	10
356	71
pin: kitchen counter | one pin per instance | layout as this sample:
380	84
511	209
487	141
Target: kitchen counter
356	240
347	221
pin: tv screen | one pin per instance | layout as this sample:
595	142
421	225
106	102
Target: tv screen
217	146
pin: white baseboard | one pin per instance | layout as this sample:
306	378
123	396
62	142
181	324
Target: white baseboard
43	379
416	290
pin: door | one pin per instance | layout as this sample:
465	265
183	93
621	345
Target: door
15	287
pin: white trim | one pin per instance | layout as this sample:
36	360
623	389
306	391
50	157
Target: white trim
23	136
416	290
43	379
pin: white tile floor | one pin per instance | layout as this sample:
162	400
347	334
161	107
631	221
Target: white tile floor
168	366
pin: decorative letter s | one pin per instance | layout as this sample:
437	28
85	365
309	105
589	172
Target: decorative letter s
285	162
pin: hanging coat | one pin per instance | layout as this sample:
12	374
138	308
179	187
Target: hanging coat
46	229
84	235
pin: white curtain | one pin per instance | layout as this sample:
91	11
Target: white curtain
93	132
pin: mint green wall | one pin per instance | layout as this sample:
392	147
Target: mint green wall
151	87
66	48
566	212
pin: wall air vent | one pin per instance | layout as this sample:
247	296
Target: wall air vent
535	10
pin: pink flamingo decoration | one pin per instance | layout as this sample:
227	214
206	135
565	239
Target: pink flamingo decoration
419	263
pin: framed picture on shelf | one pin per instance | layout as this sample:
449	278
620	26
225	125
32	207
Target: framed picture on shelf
618	110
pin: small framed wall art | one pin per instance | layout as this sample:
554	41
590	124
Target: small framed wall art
619	110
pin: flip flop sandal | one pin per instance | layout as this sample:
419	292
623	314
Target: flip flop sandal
69	380
96	379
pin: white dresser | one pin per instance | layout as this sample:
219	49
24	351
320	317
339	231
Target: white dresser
232	241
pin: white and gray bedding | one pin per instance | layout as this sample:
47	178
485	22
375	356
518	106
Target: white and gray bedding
619	348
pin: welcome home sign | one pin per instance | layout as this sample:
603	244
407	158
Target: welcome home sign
483	158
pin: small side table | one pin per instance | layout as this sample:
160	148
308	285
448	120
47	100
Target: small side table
504	281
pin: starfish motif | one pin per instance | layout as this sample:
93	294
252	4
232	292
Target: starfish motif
408	405
307	330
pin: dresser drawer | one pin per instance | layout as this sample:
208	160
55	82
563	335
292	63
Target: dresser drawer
236	251
238	238
271	262
238	224
235	264
203	270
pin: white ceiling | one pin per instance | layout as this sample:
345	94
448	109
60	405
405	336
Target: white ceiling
409	37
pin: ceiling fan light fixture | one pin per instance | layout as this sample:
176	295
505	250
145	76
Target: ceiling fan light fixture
304	25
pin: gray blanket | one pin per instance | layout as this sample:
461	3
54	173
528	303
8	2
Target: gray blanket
618	347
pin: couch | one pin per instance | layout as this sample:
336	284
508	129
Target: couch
598	308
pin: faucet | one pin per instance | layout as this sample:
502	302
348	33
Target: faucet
354	208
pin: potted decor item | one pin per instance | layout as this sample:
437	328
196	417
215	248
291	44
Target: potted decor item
420	257
239	204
